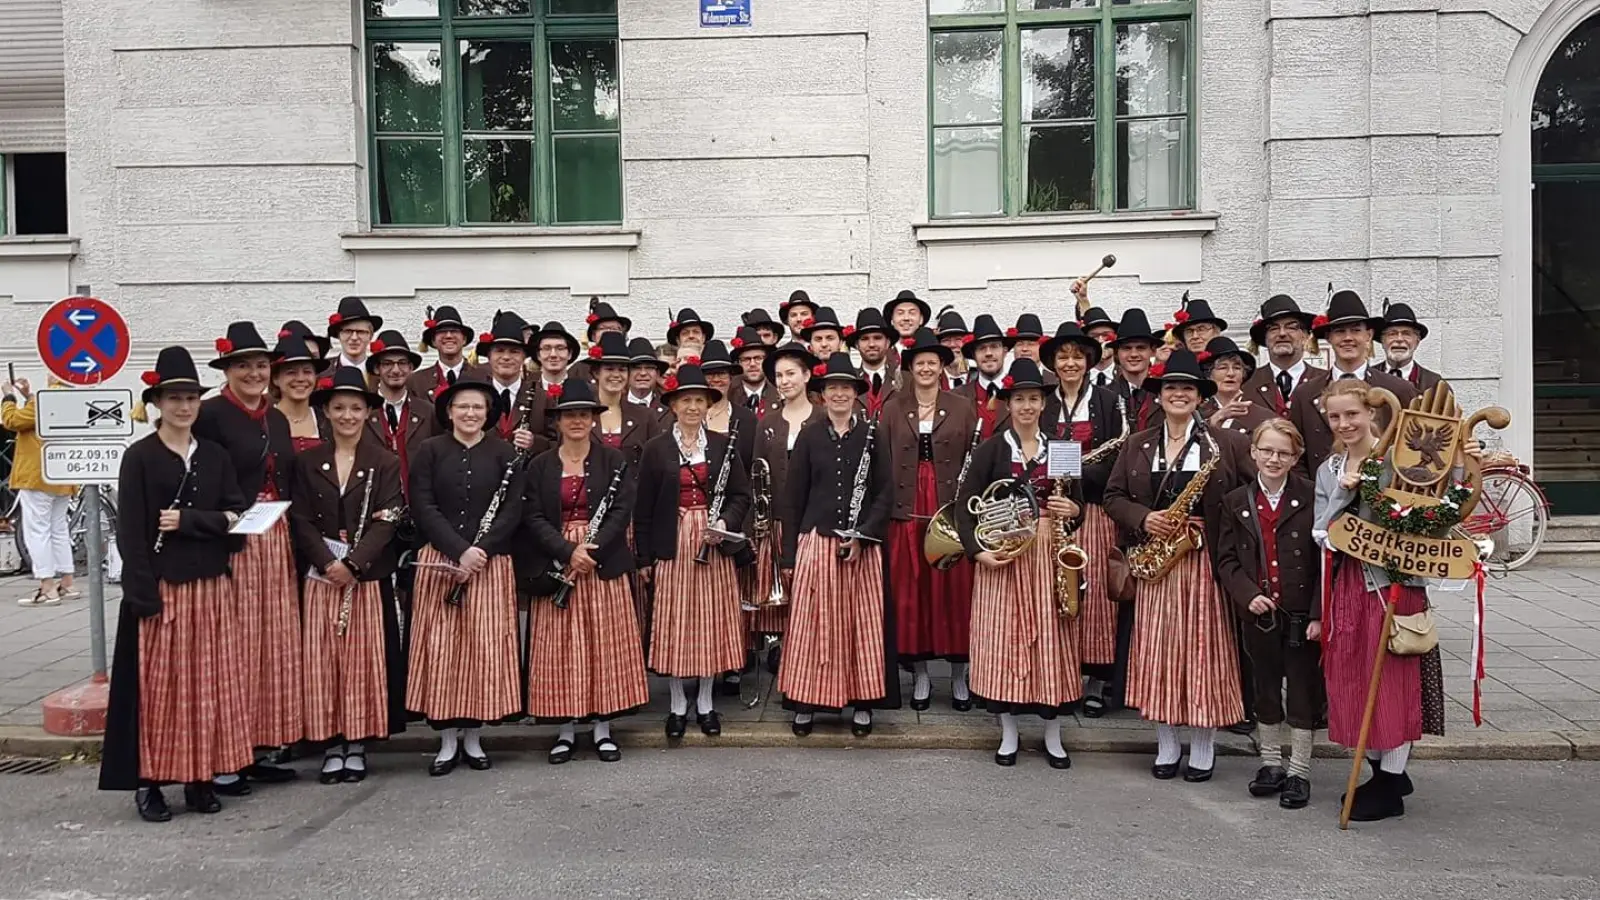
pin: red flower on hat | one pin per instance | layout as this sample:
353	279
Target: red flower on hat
335	319
592	318
224	345
1181	315
670	383
377	347
736	343
1008	382
151	378
1158	370
908	341
673	324
1319	321
1011	332
429	323
1043	340
486	338
324	383
285	333
1171	325
1256	322
1111	336
1202	356
808	321
691	360
968	338
595	352
819	370
553	392
849	330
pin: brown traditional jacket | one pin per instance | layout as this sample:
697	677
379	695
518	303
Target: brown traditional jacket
321	510
1131	493
1305	411
954	421
425	381
1241	556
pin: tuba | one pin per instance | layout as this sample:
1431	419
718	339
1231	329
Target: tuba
1070	563
1008	517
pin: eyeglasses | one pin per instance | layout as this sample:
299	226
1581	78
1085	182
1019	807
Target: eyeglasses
1273	454
355	332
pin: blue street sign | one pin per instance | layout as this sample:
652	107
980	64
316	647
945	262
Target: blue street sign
724	13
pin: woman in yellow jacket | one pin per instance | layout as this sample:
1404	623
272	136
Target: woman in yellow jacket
44	506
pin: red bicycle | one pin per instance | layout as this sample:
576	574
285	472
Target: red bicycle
1513	512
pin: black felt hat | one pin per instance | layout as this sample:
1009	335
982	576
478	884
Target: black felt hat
984	329
824	319
576	394
344	380
793	349
554	330
760	318
747	340
798	298
1181	367
321	342
687	316
951	324
242	339
1071	333
838	368
442	319
388	343
441	403
1095	317
506	332
1278	306
1194	312
1023	374
611	350
1135	326
714	357
1344	308
643	353
688	378
924	341
1221	346
1028	328
907	297
1400	314
352	309
292	349
601	312
868	321
174	369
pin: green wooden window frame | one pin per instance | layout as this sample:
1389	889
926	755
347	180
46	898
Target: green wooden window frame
1011	23
573	168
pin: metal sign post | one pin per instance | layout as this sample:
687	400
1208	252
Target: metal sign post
97	583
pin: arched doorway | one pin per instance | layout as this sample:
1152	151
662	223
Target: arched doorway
1565	279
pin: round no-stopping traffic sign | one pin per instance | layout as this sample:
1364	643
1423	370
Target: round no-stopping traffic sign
83	340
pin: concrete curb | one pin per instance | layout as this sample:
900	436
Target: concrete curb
1539	745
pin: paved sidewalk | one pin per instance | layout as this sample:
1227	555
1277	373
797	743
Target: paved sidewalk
1543	659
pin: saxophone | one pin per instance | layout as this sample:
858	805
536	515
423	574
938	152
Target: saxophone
1152	559
1070	562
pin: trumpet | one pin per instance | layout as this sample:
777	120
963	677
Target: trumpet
1070	563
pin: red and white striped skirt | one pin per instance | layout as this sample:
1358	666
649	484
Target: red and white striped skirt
833	654
1183	666
767	619
465	660
1024	654
1097	613
269	610
933	609
347	694
586	661
193	723
1351	634
696	631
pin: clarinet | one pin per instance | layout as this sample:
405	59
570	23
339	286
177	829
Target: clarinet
719	491
564	583
348	600
858	493
458	593
161	536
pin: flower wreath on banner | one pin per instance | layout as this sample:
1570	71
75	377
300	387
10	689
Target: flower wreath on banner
1424	521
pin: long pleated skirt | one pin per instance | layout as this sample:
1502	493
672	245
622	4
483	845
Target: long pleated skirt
1097	616
466	666
269	605
1024	653
346	676
193	723
768	619
586	661
834	649
933	609
1183	667
696	631
1349	648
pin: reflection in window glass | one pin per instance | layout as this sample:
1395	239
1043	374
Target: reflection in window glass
410	181
406	79
1152	164
1566	106
1152	68
494	7
966	172
583	7
587	189
1058	73
498	175
402	9
497	85
583	85
1058	4
1060	168
962	7
966	77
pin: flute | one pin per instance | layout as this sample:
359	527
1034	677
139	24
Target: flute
348	600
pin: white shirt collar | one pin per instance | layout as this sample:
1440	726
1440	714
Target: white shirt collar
352	363
1295	371
699	455
646	400
882	371
1015	444
457	368
546	383
755	391
1273	498
1338	373
1405	370
514	387
397	404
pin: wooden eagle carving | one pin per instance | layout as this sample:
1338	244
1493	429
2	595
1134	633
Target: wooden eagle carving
1429	445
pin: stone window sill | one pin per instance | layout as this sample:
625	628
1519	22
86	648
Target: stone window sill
38	246
1055	228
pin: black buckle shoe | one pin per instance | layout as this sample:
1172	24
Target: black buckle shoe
1296	793
710	723
921	703
1269	780
561	752
151	805
355	775
801	729
1196	776
1005	759
1378	799
961	705
268	774
1402	781
861	729
478	763
236	788
1058	762
607	750
676	725
1164	771
439	768
1244	728
199	797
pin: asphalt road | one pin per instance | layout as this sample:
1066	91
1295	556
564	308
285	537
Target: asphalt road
820	823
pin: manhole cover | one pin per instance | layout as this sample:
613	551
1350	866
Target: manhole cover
27	765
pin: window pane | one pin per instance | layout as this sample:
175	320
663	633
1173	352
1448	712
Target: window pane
496	86
966	77
1060	169
494	7
402	9
588	179
406	79
1566	107
1062	4
963	7
499	179
1152	164
583	7
1058	73
1152	68
410	182
966	172
583	85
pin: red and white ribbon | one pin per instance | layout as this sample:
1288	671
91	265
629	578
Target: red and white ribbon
1478	575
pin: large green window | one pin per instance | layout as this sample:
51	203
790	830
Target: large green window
494	112
1060	106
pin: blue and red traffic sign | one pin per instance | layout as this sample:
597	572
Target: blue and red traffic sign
83	340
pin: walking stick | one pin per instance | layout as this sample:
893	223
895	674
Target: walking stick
1372	706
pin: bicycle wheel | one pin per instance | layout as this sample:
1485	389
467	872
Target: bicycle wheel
1513	513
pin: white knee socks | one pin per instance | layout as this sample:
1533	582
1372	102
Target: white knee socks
1008	733
1270	737
355	757
680	703
1052	738
471	742
1202	748
863	717
1168	749
1302	742
602	731
703	702
958	681
449	742
333	759
923	688
1394	761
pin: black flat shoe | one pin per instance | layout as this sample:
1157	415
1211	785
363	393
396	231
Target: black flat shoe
238	788
774	659
861	729
267	774
1296	793
1402	781
1269	780
710	723
801	729
438	768
676	725
353	775
1196	776
151	805
199	797
607	750
1093	707
1005	759
331	777
729	686
561	752
1378	799
478	763
921	704
1164	771
1058	762
960	705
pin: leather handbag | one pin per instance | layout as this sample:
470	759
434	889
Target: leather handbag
1120	585
1413	635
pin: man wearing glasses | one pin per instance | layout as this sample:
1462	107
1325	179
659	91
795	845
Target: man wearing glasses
353	327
